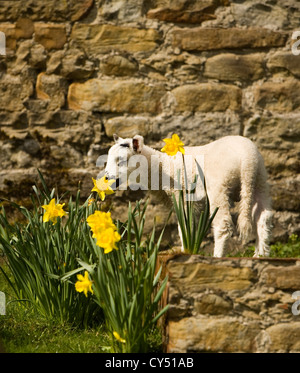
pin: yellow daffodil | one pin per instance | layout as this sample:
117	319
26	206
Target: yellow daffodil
104	230
173	146
118	338
84	284
53	211
107	239
103	186
99	221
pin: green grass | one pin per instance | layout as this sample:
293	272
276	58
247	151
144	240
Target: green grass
291	249
23	330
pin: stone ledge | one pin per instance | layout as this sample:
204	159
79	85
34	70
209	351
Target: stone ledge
230	304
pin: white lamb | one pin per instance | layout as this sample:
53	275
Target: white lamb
234	171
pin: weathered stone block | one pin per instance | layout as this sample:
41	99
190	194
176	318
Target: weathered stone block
284	60
212	304
13	91
50	10
66	156
277	137
180	16
52	88
235	67
207	97
30	53
97	39
231	304
278	131
121	11
76	66
254	13
201	39
283	278
202	334
286	223
16	120
77	128
24	28
284	337
78	9
279	96
208	6
194	277
118	65
54	63
127	127
51	36
72	64
207	126
115	96
21	179
10	34
285	189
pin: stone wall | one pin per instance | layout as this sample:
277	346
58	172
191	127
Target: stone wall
232	305
78	71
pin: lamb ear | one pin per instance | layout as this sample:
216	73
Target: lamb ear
116	137
137	143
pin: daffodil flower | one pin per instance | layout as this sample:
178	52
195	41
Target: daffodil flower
99	221
103	186
107	239
53	211
104	230
84	284
173	146
118	338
